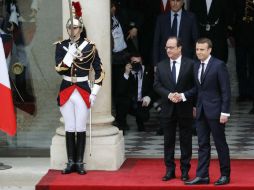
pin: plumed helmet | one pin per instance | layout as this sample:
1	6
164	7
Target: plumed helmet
77	16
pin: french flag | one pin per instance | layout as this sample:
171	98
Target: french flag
7	113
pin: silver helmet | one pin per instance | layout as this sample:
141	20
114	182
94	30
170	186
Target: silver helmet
77	16
76	23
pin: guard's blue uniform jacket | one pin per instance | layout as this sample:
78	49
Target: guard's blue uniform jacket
89	60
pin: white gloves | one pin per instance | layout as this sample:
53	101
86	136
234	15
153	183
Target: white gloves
95	89
93	94
70	55
146	101
14	15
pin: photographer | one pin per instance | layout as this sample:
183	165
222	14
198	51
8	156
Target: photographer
134	93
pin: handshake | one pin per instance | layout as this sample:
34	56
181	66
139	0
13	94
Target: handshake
175	97
72	53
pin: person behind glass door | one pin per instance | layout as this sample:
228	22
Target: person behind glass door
244	48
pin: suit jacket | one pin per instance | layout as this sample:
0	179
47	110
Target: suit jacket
213	95
80	67
163	85
243	30
188	33
219	18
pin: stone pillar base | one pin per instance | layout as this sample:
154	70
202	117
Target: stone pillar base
107	150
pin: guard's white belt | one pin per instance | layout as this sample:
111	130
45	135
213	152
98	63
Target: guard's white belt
75	79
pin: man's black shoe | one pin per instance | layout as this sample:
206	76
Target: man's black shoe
169	176
223	180
198	180
71	167
185	176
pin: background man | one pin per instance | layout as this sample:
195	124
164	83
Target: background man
214	22
244	48
185	28
134	93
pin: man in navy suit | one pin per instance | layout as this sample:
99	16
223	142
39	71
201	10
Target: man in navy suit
212	112
186	29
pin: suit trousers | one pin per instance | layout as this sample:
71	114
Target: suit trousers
169	126
204	128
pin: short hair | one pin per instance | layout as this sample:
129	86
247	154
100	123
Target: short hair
178	40
205	40
134	54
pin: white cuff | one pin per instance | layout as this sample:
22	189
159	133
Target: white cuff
183	97
126	76
225	114
95	89
147	99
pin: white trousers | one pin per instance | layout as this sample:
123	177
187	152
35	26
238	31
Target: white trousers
75	113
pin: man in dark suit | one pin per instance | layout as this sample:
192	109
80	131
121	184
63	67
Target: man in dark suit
134	93
185	28
143	14
175	74
212	112
214	22
244	48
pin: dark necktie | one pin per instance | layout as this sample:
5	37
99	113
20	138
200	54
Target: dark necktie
174	71
174	26
202	72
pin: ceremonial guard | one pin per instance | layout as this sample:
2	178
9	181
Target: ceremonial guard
75	58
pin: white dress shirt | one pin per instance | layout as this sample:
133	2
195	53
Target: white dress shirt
208	5
205	62
177	65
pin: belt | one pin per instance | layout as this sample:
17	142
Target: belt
247	19
75	79
209	25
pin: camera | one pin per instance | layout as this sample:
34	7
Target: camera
136	66
134	63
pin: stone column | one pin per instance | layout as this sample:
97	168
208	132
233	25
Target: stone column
107	147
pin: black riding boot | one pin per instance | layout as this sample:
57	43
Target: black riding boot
81	144
70	147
